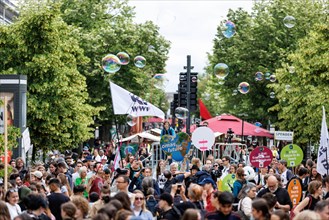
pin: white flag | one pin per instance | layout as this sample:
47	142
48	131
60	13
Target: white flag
323	152
124	102
117	159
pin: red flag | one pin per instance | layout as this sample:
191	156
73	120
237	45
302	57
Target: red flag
204	113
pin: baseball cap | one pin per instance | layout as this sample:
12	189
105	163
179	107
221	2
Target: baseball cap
37	174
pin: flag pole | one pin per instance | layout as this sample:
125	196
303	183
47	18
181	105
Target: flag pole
6	144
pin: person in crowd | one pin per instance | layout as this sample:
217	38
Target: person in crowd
209	186
315	191
37	177
123	215
56	198
326	187
107	176
246	195
63	168
16	179
79	190
282	195
96	182
285	173
167	129
20	167
165	205
225	206
82	205
124	199
53	168
191	214
307	215
215	173
122	185
104	199
68	211
65	187
259	179
271	171
22	193
239	182
11	200
93	197
82	180
135	167
279	215
160	178
196	161
271	201
260	210
233	169
301	175
76	173
226	166
322	208
37	207
4	211
173	180
139	206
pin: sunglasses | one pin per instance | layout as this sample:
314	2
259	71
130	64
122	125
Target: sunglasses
139	198
215	165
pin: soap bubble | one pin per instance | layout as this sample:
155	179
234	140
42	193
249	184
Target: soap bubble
221	70
235	92
272	95
181	113
161	81
243	87
289	21
207	96
124	58
259	76
151	49
291	69
139	61
131	120
93	15
287	87
228	29
258	124
267	75
272	78
258	127
111	63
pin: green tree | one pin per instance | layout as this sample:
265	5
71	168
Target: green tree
42	46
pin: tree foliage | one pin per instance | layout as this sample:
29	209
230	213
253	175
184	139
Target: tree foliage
263	43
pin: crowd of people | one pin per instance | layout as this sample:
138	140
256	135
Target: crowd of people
71	187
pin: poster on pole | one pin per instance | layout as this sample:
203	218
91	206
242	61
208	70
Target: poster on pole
203	138
178	146
295	190
293	154
9	108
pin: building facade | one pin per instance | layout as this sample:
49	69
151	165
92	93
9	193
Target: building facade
8	11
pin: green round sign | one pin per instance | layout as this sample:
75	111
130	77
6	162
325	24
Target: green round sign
228	181
293	154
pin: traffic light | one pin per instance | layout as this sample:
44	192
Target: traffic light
174	104
194	90
182	91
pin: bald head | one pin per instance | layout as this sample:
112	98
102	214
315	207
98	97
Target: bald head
272	183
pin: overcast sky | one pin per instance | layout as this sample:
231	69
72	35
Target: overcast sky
190	26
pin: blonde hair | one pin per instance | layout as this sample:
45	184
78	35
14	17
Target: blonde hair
144	202
195	192
307	215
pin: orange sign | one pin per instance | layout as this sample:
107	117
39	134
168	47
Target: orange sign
295	190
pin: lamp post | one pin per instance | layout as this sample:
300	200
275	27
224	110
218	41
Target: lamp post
242	129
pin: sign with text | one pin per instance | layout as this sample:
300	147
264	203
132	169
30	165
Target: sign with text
227	183
295	190
178	146
261	157
293	154
203	138
284	135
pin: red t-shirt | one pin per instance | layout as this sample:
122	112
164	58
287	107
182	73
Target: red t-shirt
97	185
210	207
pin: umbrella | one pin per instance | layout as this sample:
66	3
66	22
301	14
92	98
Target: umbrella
225	121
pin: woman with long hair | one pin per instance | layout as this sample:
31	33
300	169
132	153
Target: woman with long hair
12	200
161	179
52	169
68	211
139	206
246	195
239	182
65	188
260	210
315	190
4	211
82	205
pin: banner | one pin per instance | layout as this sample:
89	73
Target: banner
284	135
204	113
323	153
124	102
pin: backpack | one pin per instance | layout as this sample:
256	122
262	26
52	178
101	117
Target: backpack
151	203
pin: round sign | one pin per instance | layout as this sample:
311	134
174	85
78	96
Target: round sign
178	145
295	190
227	182
203	138
293	154
261	157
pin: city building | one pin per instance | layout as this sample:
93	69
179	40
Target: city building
8	11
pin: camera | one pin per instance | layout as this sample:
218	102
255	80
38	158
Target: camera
179	186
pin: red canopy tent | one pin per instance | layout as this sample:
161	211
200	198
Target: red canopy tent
223	122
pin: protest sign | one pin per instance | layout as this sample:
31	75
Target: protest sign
293	154
261	157
203	138
178	146
295	190
227	183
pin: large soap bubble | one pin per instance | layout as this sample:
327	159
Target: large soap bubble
289	21
228	29
111	63
124	58
259	76
139	61
221	70
131	120
181	113
244	87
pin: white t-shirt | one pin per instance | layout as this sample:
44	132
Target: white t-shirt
14	210
284	178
